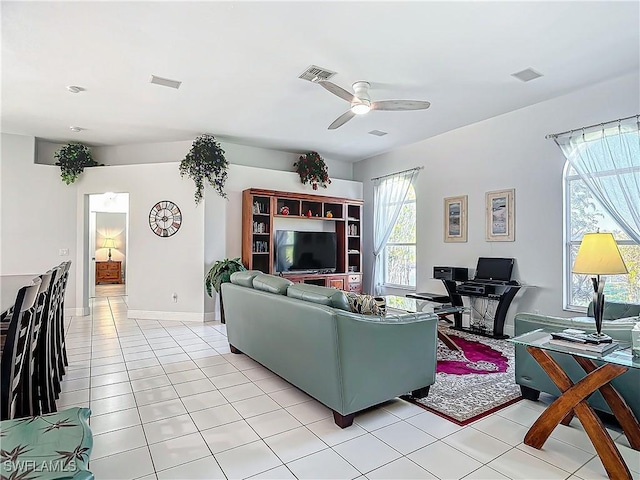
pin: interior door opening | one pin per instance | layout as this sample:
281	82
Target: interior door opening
108	244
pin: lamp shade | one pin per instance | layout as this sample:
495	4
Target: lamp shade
109	243
599	255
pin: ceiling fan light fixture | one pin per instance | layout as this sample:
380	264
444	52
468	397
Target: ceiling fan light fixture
361	108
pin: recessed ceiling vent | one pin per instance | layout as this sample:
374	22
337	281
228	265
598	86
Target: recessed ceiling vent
377	133
165	82
527	75
316	74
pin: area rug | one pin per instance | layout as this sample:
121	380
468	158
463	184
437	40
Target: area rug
473	383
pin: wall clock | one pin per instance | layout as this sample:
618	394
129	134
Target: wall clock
165	218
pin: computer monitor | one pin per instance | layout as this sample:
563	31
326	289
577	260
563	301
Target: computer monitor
494	269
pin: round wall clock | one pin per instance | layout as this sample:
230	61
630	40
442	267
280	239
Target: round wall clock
165	218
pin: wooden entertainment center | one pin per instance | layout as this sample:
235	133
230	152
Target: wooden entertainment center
261	210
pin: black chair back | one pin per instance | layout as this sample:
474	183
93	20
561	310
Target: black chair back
15	354
37	348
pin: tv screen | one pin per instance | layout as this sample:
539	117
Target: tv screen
497	269
304	250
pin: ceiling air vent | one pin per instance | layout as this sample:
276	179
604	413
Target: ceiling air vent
377	133
165	82
527	75
316	74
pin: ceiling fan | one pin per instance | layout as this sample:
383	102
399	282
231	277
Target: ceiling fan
361	102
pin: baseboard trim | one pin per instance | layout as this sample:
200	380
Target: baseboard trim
77	312
176	316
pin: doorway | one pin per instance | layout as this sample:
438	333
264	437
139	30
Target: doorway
108	244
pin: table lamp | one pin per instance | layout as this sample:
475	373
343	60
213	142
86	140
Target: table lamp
109	243
599	255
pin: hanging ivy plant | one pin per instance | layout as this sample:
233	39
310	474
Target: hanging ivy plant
205	160
313	170
72	160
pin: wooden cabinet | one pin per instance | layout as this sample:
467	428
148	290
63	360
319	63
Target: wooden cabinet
264	210
354	283
109	272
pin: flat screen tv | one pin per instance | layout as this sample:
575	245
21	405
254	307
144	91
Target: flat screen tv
307	251
496	269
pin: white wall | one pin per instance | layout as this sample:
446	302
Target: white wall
40	214
37	213
508	151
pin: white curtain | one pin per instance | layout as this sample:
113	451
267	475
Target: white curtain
607	159
389	193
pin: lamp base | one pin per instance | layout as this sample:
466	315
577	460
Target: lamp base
598	338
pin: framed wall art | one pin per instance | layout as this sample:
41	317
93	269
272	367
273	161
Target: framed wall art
455	219
500	216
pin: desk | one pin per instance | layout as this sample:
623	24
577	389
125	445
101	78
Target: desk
573	400
500	292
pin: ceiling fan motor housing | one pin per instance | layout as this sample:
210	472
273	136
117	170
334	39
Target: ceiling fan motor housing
361	101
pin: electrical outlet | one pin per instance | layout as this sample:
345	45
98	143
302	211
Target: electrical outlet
175	297
63	252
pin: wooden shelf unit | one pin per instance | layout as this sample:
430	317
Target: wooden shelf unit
261	207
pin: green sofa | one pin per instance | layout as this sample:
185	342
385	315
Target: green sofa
618	320
307	335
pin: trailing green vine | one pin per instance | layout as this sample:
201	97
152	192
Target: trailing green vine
73	158
205	161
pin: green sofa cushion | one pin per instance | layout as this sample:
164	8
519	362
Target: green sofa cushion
317	294
245	278
615	310
271	284
57	445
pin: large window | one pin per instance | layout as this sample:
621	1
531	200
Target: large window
584	214
399	256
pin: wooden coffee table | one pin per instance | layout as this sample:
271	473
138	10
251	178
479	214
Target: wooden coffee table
573	400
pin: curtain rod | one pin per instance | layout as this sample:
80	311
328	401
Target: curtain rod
556	135
397	173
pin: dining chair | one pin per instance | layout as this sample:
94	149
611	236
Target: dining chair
37	349
14	353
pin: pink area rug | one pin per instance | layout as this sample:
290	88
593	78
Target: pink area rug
473	383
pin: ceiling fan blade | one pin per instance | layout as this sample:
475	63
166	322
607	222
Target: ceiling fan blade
339	91
342	119
399	105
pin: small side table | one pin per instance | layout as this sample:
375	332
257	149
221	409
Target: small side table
573	400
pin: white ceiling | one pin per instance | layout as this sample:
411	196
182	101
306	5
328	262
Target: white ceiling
239	63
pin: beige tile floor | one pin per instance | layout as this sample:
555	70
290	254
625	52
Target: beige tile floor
169	401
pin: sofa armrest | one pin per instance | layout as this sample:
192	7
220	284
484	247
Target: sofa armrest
380	359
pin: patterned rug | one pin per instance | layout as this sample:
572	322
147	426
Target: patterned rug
473	383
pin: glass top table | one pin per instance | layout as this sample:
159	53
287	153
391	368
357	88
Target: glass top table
438	310
599	370
540	339
415	305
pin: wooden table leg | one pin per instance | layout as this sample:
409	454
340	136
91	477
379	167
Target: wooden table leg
573	399
619	407
448	341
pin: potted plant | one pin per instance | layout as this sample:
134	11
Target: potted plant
313	170
72	160
221	273
205	161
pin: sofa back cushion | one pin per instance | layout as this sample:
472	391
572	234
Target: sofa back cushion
615	310
245	278
271	283
317	294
